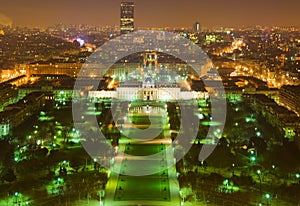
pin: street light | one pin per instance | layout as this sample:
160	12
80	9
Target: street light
253	156
259	175
268	197
101	194
298	177
18	198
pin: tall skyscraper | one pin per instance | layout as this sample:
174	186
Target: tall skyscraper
197	27
127	17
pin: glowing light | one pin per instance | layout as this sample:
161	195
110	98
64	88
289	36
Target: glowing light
80	41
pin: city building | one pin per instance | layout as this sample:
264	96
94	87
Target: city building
15	114
149	83
59	88
59	68
148	90
4	129
289	98
286	121
127	17
8	95
197	27
218	37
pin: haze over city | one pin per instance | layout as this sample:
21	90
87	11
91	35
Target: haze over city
171	13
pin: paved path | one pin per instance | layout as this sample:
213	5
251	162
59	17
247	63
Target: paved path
124	163
112	184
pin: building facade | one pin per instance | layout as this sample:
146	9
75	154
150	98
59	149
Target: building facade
289	98
197	27
148	90
15	114
127	17
286	121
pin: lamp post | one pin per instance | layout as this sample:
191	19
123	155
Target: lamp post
18	197
298	178
101	194
259	175
268	197
182	195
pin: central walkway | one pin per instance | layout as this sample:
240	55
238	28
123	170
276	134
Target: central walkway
159	187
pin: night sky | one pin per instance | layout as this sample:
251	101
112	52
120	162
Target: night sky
152	13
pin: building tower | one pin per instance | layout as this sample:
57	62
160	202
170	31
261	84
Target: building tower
151	62
197	27
127	17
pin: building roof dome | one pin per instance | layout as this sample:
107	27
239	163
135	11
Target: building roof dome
149	82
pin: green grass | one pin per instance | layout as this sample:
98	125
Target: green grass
152	187
143	149
142	188
139	119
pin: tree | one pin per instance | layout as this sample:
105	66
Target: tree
41	153
6	153
76	163
221	157
9	176
286	157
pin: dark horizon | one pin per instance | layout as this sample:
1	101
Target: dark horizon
175	13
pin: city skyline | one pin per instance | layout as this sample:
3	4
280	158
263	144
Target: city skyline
191	109
178	13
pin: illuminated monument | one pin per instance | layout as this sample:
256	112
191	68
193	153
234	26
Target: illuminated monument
152	86
127	17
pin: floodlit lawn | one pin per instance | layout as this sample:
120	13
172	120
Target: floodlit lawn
139	119
143	149
153	187
142	188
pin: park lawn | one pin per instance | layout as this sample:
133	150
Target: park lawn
143	149
142	188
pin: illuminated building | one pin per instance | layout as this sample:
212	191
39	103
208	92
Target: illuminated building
218	37
8	95
44	68
4	128
127	17
286	121
149	89
150	62
15	114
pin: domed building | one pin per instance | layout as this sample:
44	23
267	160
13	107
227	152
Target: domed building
149	90
149	83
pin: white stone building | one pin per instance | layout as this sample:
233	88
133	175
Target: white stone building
148	90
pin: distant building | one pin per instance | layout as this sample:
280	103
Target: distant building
59	68
127	17
4	129
218	37
148	90
197	27
286	121
289	98
15	114
8	95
